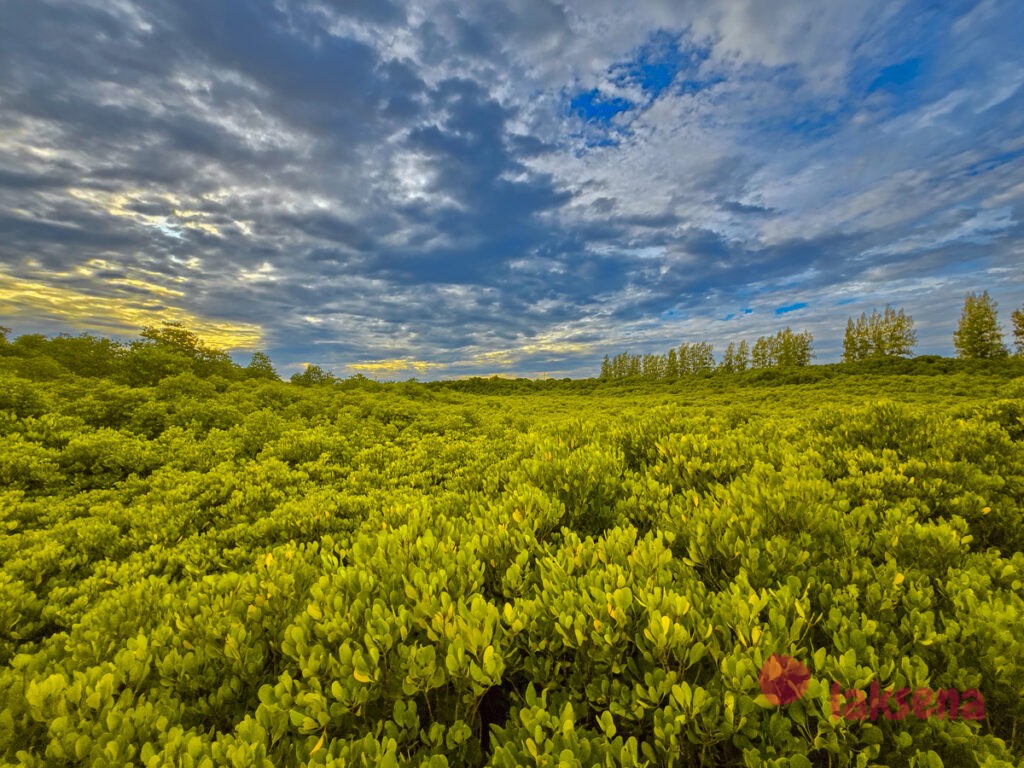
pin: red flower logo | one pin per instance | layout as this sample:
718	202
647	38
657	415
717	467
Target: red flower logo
783	679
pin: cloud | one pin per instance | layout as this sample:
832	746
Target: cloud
128	304
391	368
440	188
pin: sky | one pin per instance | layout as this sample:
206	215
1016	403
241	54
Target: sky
439	189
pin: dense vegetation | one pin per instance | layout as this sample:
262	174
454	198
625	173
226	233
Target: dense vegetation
887	335
205	566
785	349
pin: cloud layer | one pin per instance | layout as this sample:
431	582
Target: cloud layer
437	188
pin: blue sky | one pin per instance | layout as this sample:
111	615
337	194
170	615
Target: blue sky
438	189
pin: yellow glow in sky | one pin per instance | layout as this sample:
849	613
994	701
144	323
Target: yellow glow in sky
125	313
390	367
537	346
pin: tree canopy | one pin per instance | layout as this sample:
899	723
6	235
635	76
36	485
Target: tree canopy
978	335
890	334
1017	318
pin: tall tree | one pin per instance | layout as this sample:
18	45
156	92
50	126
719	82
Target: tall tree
1018	329
786	348
606	368
260	367
685	360
86	355
856	340
313	374
175	335
896	334
890	334
672	365
651	367
793	348
169	349
702	358
728	364
742	359
978	336
634	366
763	353
621	365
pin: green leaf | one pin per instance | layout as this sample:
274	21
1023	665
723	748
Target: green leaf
871	734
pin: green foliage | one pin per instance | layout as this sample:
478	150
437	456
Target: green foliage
1017	318
163	351
260	367
172	349
736	357
311	376
21	398
208	569
890	334
978	334
86	355
696	358
784	350
689	360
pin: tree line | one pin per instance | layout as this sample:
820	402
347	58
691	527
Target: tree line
785	348
171	349
886	334
161	351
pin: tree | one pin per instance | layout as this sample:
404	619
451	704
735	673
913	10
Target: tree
736	357
696	358
759	353
606	368
4	333
1018	330
29	344
652	367
978	336
856	340
672	365
146	364
742	359
175	335
40	368
786	348
685	362
172	340
634	366
260	367
728	364
895	336
793	349
702	357
890	334
313	374
763	354
86	355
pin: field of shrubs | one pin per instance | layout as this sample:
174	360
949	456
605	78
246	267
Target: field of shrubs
203	571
